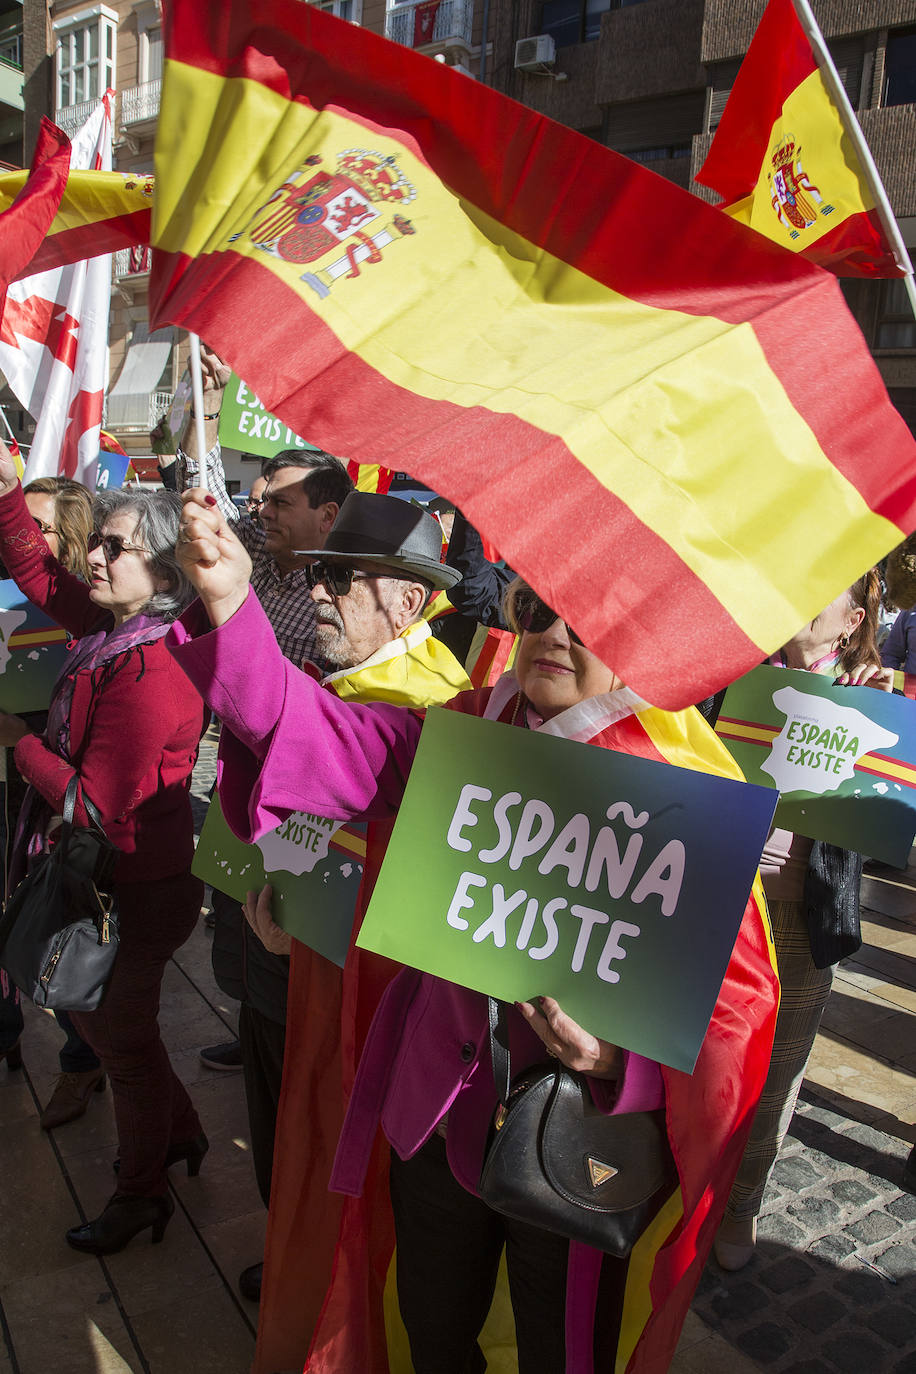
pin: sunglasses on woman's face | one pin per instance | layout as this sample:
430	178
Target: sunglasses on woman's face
535	616
112	545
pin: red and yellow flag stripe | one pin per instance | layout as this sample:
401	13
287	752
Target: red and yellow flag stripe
99	212
878	765
37	639
370	477
784	163
518	326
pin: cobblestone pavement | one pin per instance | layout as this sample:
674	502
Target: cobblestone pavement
832	1286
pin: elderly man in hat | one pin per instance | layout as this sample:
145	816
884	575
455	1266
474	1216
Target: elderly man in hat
371	583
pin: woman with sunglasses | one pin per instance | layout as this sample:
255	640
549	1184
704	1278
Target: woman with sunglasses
127	722
289	745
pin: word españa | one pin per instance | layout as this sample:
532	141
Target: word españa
826	747
302	833
588	862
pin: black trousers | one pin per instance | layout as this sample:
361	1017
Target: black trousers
449	1245
263	1042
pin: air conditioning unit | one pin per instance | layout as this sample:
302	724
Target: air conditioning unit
534	54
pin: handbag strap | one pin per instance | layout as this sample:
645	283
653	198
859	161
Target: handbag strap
69	807
499	1048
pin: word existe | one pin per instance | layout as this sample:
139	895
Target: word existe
260	424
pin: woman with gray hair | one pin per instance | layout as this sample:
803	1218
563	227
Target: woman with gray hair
126	721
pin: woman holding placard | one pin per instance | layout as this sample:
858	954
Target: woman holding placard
812	891
287	745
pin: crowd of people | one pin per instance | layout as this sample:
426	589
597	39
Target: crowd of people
370	1089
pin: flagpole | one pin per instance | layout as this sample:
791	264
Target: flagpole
9	428
853	128
197	402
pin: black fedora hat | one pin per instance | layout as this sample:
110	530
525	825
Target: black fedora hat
383	529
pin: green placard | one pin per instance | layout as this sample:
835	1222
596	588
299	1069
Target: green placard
842	758
245	424
522	865
314	865
33	650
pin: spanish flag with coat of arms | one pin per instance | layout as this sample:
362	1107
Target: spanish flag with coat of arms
670	426
784	162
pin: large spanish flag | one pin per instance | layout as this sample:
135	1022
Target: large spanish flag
783	160
99	212
671	426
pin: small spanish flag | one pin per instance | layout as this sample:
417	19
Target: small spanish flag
370	477
109	444
668	425
784	163
99	212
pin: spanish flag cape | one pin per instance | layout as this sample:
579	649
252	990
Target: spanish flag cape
321	1052
709	1115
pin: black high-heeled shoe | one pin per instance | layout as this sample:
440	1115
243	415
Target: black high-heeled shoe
13	1056
124	1217
191	1150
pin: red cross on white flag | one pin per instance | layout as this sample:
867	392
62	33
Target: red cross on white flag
54	340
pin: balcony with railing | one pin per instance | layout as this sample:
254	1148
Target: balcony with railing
132	264
430	26
136	412
71	118
10	81
140	104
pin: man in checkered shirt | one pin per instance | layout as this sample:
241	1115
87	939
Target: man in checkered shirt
303	495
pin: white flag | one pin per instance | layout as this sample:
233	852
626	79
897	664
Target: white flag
54	340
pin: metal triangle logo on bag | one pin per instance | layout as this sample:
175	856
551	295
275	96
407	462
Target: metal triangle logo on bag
599	1172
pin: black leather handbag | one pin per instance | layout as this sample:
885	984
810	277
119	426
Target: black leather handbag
555	1161
59	931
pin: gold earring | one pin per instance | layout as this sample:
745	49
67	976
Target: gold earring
844	641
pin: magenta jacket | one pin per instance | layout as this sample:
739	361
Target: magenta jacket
287	745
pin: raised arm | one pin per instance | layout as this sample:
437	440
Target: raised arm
186	468
31	564
287	744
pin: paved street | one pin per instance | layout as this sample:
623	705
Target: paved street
832	1287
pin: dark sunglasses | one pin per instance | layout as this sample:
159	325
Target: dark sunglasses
45	529
535	616
337	577
112	545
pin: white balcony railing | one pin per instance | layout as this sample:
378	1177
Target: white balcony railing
71	118
452	24
140	103
159	403
132	262
137	411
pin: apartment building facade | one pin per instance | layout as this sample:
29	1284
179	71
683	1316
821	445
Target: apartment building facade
648	78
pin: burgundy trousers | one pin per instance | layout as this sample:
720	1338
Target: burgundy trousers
152	1108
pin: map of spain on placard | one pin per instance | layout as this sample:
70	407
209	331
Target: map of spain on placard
314	865
32	652
843	759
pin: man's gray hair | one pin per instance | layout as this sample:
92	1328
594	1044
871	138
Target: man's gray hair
157	514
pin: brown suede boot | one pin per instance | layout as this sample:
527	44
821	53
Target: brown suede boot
70	1097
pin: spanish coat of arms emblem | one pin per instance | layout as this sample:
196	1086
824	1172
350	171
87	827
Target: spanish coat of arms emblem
336	219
